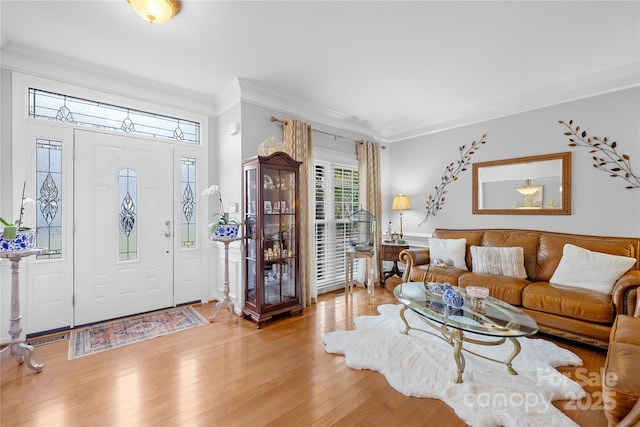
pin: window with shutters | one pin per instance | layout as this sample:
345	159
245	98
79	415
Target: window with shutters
336	198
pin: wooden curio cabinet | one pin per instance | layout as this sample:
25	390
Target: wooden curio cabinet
272	236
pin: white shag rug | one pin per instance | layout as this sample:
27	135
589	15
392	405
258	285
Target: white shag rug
421	365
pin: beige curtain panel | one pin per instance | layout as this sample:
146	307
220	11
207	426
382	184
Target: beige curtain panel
298	144
370	191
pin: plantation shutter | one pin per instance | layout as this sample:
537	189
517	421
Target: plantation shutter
336	198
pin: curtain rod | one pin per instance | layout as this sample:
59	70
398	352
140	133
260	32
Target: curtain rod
275	119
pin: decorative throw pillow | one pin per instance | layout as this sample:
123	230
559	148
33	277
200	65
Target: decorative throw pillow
505	261
596	271
453	249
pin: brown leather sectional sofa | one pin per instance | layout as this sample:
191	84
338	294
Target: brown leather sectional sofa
621	383
571	313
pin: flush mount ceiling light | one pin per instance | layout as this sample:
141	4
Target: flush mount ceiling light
156	11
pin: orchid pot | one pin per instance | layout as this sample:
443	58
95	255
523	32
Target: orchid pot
224	226
226	231
14	236
18	240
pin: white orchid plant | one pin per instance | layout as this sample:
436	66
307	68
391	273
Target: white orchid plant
11	229
221	217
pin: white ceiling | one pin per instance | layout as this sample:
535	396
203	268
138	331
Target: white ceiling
396	68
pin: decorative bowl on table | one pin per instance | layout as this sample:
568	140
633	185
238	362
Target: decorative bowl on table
477	294
477	291
442	263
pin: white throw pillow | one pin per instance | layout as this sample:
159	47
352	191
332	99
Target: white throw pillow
453	249
596	271
505	261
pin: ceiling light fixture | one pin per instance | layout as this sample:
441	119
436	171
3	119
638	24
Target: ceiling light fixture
527	188
156	11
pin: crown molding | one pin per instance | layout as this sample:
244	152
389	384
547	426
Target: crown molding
253	92
29	60
227	98
612	80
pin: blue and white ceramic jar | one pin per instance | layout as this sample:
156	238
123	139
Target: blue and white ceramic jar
227	231
452	297
23	241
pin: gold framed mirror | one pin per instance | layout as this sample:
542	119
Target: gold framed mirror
534	185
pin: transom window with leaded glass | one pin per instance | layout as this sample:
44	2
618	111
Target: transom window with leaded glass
84	112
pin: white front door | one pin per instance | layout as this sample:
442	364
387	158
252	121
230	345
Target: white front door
123	221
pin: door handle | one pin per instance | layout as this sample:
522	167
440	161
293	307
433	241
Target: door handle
168	232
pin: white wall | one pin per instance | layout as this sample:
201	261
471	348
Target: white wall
600	204
225	170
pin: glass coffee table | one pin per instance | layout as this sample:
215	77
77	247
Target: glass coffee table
490	317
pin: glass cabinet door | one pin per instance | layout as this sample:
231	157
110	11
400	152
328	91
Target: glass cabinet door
252	242
279	232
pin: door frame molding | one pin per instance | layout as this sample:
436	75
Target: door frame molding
22	152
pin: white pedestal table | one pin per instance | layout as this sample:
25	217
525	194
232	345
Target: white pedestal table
226	301
17	347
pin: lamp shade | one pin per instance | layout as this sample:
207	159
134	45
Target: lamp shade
156	11
400	203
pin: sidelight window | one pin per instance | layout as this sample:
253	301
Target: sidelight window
49	197
188	186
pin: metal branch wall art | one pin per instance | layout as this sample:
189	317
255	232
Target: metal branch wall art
605	157
451	172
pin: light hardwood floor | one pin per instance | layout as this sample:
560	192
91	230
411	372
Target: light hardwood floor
226	374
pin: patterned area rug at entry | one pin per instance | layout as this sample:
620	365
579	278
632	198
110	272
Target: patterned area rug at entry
120	332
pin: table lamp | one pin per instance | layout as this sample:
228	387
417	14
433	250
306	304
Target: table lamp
401	203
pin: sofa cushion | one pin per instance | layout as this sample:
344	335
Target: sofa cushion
473	237
527	240
621	387
448	249
626	329
507	289
552	246
576	303
440	275
591	270
506	261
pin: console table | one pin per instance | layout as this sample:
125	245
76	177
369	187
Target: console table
226	301
391	252
17	347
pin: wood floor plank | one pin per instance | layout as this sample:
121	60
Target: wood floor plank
228	374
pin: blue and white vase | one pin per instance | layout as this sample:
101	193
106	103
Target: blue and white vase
452	297
227	231
23	241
